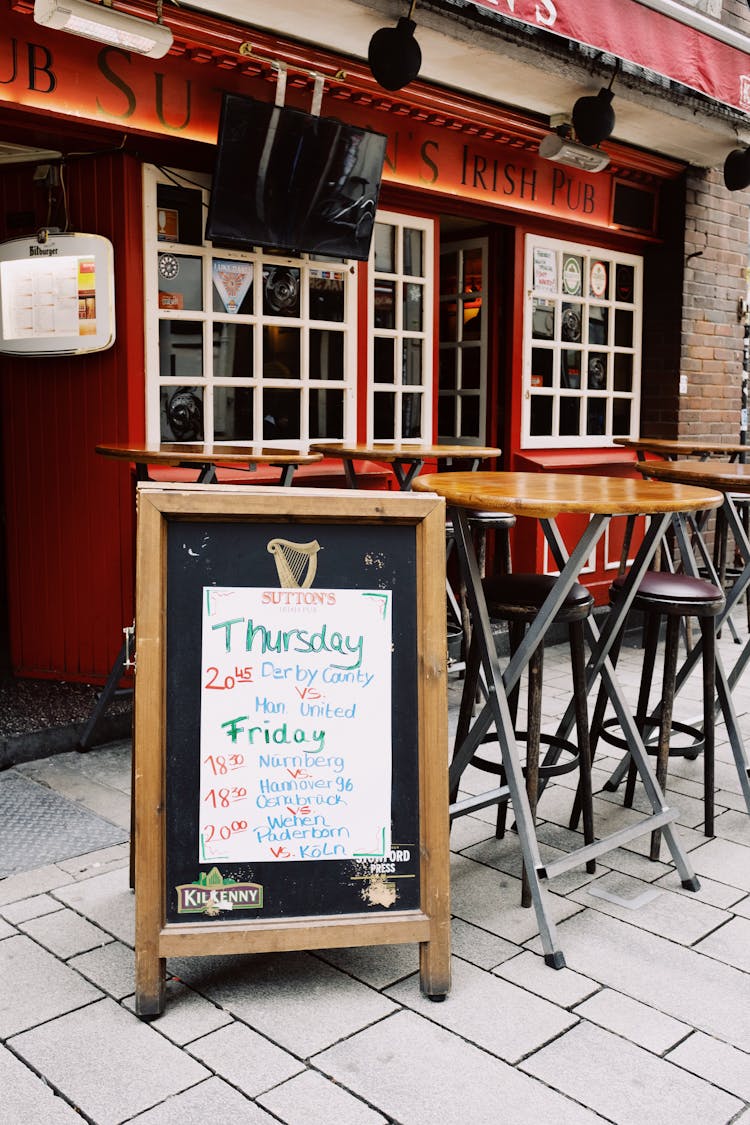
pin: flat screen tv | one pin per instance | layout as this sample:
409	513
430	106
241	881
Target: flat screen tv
289	180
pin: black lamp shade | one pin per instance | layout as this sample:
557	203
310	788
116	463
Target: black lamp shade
594	118
394	55
737	169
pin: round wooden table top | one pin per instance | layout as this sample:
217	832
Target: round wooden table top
546	495
682	447
728	476
391	451
197	453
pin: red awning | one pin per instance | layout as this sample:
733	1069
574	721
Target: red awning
684	45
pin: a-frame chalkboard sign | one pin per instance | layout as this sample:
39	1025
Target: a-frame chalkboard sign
290	726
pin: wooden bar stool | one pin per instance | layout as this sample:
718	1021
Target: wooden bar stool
675	597
516	599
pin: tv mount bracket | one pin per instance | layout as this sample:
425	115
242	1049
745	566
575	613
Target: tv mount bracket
318	84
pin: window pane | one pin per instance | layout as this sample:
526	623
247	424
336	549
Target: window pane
472	318
448	274
326	354
326	414
623	377
447	369
470	416
233	413
413	258
281	356
541	367
326	296
385	371
180	349
280	414
598	324
596	416
233	351
411	416
412	311
570	416
572	320
446	416
383	416
598	279
232	286
470	364
280	291
572	274
384	240
385	304
621	416
180	282
623	328
411	375
181	414
448	321
541	415
543	322
597	372
179	214
624	284
570	369
472	280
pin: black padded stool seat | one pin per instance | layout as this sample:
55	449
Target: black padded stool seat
517	598
671	596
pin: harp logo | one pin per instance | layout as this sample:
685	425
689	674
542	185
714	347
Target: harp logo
212	893
296	563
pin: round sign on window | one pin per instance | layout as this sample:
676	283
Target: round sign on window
598	279
572	276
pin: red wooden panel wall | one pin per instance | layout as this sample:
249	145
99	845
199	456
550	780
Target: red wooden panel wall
70	513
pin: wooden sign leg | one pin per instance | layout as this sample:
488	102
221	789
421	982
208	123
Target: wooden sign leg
150	984
435	964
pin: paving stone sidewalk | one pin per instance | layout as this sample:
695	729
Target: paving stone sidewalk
649	1023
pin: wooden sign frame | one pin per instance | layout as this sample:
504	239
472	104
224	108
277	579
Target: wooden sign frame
347	514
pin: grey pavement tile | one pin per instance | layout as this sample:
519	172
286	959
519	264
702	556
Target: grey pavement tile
717	1062
65	933
618	860
468	830
97	863
29	883
562	986
27	908
742	908
446	1080
505	1020
111	968
691	808
245	1059
729	800
473	944
730	943
376	965
312	1099
701	992
633	1020
186	1015
626	1084
212	1100
678	917
6	930
107	1062
505	855
733	825
275	994
26	1098
43	987
106	900
492	900
715	894
725	861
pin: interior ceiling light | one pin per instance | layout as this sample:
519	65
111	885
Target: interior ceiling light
593	116
394	54
559	147
104	24
737	169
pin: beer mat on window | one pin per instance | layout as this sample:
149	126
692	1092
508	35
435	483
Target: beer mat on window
38	827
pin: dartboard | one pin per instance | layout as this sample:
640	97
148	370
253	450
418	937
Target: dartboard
169	267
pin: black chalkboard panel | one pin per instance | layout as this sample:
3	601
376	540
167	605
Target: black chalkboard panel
236	554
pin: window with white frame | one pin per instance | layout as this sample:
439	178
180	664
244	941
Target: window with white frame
242	347
462	366
582	344
400	310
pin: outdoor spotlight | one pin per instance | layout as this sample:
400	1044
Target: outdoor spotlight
394	54
563	150
105	24
594	118
737	169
